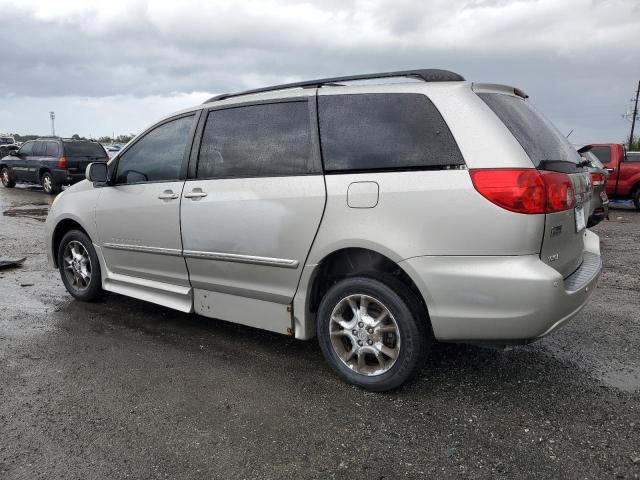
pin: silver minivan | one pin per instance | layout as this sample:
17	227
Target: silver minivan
378	212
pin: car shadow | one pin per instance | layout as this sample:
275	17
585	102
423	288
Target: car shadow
450	367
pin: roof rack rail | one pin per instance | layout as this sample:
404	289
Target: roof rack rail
427	75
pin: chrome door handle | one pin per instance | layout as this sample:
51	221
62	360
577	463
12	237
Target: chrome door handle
609	170
168	195
196	193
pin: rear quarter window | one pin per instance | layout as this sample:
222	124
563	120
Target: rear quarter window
360	132
633	157
603	153
83	149
539	138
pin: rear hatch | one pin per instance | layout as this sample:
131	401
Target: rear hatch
80	153
563	242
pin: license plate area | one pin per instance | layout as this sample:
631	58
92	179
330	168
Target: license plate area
581	222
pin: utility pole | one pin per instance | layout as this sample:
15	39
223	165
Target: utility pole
53	123
635	115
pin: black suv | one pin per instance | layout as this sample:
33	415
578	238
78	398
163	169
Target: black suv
52	162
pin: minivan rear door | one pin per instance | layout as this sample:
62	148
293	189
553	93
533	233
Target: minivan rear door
549	150
251	208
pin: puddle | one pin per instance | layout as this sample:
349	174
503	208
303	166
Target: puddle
34	212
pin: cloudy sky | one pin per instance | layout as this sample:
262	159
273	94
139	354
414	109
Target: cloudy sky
117	66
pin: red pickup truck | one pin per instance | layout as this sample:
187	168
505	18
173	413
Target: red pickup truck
623	168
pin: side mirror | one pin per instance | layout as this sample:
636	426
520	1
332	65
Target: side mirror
97	173
14	153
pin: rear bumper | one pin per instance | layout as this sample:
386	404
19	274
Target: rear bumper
67	177
502	300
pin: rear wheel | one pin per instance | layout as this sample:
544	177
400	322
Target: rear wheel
79	266
7	179
48	184
373	334
636	198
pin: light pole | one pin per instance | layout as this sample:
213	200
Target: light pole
53	123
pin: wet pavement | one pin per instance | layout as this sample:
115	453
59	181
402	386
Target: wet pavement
126	389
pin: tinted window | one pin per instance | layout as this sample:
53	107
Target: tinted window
633	156
538	136
51	149
83	149
26	149
603	153
383	131
38	149
258	140
158	155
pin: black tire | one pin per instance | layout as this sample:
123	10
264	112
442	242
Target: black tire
49	185
7	178
93	290
636	198
409	316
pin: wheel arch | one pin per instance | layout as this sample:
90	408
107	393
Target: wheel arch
62	227
348	262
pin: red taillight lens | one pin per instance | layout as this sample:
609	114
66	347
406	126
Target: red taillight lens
525	190
62	162
597	179
559	188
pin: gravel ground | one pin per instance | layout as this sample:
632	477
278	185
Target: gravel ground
126	389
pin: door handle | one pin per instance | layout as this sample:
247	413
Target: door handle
168	195
195	194
610	170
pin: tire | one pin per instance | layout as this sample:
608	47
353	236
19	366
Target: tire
405	332
77	259
636	198
48	184
7	178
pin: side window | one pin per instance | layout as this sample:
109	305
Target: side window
384	131
51	149
38	149
255	141
633	157
603	153
26	149
158	155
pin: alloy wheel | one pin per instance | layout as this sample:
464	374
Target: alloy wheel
47	183
364	335
77	265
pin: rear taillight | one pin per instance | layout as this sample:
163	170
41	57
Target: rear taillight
525	190
62	162
597	179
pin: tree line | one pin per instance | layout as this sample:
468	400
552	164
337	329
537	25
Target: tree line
75	136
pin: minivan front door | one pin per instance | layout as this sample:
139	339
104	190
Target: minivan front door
251	210
138	217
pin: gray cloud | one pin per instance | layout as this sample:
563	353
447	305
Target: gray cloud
578	60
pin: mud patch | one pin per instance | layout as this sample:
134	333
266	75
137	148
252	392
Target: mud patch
34	212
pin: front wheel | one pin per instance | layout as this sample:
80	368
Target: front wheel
48	184
636	198
7	179
79	266
373	334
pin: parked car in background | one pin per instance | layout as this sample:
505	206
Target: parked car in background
599	174
7	144
356	212
51	162
624	171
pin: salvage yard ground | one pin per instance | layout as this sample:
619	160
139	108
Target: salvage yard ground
123	388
